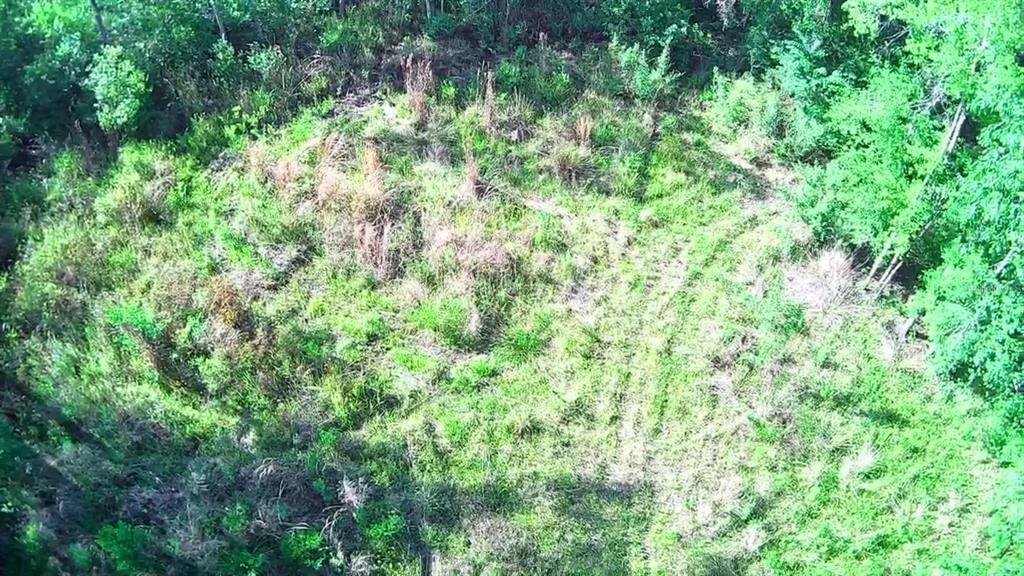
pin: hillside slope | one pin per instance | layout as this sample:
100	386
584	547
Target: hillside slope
570	342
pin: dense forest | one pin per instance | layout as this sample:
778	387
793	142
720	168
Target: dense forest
710	287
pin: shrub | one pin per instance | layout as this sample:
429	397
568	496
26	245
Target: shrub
382	526
120	88
241	562
129	548
645	79
130	320
975	320
304	548
547	83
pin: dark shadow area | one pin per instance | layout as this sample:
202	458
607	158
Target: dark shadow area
227	501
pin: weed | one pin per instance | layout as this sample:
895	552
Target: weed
473	374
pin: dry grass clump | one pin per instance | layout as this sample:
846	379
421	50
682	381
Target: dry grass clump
360	565
825	286
419	80
372	194
153	207
138	193
517	118
230	323
500	541
175	284
490	119
331	185
473	186
335	149
583	129
487	257
371	214
286	173
469	254
257	160
356	213
226	304
369	220
353	493
726	11
570	163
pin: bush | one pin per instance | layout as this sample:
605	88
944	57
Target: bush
131	549
645	79
382	526
120	88
304	548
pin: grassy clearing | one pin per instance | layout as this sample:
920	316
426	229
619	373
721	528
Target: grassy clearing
578	341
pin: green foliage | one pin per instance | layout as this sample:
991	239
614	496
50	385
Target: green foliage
131	319
129	548
909	157
357	34
645	79
975	319
537	74
382	526
651	22
120	89
241	563
81	557
236	519
304	548
446	317
521	343
607	348
473	374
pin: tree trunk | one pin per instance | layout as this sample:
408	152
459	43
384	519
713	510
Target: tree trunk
220	24
1006	261
104	35
878	262
887	276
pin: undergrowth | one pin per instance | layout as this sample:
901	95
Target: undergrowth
614	350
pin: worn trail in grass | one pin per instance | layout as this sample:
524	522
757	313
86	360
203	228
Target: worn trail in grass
713	396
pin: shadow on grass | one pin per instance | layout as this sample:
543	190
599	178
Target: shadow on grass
202	508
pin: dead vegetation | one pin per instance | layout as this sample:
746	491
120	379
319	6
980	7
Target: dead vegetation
419	82
470	253
584	128
230	324
824	285
375	216
490	119
473	187
361	216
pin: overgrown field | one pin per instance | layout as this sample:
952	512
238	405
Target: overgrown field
473	335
